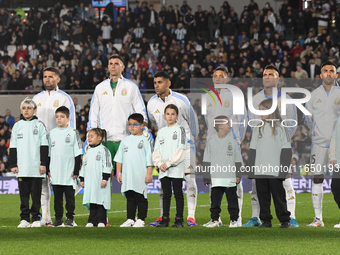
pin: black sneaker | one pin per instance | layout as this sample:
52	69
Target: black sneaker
266	224
285	224
164	223
178	223
69	223
57	223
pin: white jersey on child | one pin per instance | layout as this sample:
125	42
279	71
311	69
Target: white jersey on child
47	103
325	109
168	140
64	145
222	153
135	153
291	111
27	137
96	161
268	148
239	122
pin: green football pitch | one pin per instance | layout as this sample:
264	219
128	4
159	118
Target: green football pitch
150	240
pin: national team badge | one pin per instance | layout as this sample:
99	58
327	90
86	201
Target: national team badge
98	157
35	130
124	92
226	103
68	139
140	145
174	136
56	103
337	101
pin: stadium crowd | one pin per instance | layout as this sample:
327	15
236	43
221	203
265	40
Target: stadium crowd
181	40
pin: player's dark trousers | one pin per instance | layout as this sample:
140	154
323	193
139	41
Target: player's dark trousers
136	200
30	186
335	187
267	187
59	191
216	199
167	193
97	214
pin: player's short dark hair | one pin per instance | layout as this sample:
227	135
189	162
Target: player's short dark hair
221	117
52	69
171	106
272	67
137	117
64	110
118	57
221	69
162	74
328	63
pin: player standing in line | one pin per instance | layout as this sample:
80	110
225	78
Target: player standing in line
95	176
270	79
187	118
65	158
47	102
325	110
28	159
220	76
269	150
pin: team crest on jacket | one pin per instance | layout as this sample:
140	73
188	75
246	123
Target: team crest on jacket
140	145
124	92
35	130
98	157
56	103
68	139
337	101
230	149
174	136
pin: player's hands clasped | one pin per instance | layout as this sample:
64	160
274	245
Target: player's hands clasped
163	167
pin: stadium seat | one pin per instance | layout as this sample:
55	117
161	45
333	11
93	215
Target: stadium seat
29	47
65	42
152	44
11	49
118	46
77	47
63	47
289	43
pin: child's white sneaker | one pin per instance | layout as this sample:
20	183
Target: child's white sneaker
24	224
213	224
101	225
36	224
233	224
128	223
89	225
139	224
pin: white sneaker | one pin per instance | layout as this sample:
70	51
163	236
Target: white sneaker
36	224
89	225
74	224
208	223
213	224
220	221
233	224
139	224
45	223
128	223
337	226
24	224
239	222
101	225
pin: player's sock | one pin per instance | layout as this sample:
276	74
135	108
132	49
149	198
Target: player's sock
290	196
161	200
239	193
317	195
190	180
45	201
255	201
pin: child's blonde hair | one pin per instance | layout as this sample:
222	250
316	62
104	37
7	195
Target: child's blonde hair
267	103
29	102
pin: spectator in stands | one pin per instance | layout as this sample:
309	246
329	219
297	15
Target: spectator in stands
9	118
4	81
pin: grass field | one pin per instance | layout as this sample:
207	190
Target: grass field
149	240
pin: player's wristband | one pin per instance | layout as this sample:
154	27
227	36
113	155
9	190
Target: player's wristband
118	173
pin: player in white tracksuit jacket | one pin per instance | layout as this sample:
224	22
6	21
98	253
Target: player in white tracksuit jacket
188	119
269	81
47	102
324	106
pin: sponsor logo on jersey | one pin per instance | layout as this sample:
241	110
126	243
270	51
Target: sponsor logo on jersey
157	111
56	103
39	104
124	92
230	149
105	93
126	149
226	103
99	156
53	143
174	136
140	145
85	162
161	142
337	101
319	101
68	138
35	130
190	167
20	135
